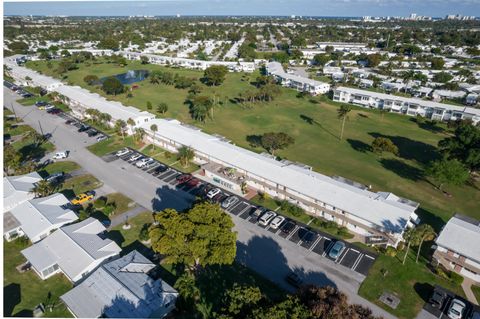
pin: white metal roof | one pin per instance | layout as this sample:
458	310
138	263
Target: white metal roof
17	189
38	215
383	96
120	289
462	235
276	68
73	254
366	205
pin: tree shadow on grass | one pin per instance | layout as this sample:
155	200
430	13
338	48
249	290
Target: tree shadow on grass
32	151
431	126
254	140
410	149
12	297
359	146
402	169
117	237
312	121
429	218
424	290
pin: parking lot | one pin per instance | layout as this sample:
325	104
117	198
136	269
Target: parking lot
431	311
351	257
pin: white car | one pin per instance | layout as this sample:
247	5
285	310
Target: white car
135	157
267	218
214	192
457	307
276	222
61	155
49	107
125	151
101	138
144	162
230	201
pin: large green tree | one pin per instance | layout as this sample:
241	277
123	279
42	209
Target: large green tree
112	85
464	146
383	144
273	141
290	308
240	300
201	236
215	74
450	172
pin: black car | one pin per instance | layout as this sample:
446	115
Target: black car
26	95
288	227
294	280
159	169
40	103
83	128
308	237
92	132
437	299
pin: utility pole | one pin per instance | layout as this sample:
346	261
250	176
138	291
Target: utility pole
14	113
40	125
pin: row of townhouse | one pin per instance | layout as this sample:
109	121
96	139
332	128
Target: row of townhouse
296	82
105	284
404	105
189	63
377	217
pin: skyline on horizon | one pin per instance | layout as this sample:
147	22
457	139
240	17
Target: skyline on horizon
321	8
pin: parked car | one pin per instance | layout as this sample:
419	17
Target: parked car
336	250
69	122
78	125
184	178
83	128
135	157
219	198
101	138
276	222
61	155
193	182
56	177
26	95
229	201
214	192
106	223
456	310
259	211
54	111
159	169
83	198
294	280
49	107
437	299
267	218
308	237
122	152
40	103
288	227
144	161
92	132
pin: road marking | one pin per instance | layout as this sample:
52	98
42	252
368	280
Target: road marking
276	209
292	232
341	259
311	220
328	248
369	257
316	242
357	262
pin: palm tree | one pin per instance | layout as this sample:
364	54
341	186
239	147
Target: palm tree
411	236
154	129
185	155
43	188
105	117
120	127
140	132
205	308
425	232
342	114
186	287
131	123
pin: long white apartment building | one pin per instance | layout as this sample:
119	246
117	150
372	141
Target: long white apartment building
404	105
379	217
297	82
189	63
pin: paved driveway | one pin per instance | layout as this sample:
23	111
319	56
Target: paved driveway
257	248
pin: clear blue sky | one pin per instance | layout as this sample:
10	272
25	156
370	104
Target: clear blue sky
436	8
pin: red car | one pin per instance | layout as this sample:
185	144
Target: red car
184	178
193	182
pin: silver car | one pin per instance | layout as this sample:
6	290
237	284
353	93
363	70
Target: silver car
267	218
229	201
336	250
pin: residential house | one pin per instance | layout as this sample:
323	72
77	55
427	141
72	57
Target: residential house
74	250
18	189
297	82
458	247
37	218
128	287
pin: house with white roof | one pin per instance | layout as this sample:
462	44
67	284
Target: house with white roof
406	105
37	218
28	77
297	82
458	247
18	189
74	250
378	217
128	287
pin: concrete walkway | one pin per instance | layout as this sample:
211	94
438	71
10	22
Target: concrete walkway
467	288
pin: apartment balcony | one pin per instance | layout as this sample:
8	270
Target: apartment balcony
449	257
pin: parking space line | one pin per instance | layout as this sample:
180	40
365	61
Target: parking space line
369	257
293	232
341	259
316	242
359	258
328	247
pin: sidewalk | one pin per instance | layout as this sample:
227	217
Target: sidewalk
467	288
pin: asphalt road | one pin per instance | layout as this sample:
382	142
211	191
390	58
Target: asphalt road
257	248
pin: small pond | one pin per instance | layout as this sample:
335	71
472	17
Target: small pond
129	77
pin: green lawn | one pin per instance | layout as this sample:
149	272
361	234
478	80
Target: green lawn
122	202
79	184
412	283
476	292
112	144
60	166
316	129
31	101
24	291
29	149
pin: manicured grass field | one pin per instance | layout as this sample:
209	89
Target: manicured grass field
60	166
79	184
316	130
412	283
122	202
24	291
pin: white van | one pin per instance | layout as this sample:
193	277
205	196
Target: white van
61	155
